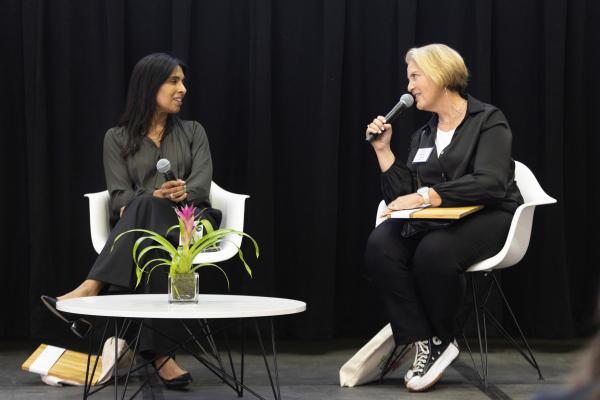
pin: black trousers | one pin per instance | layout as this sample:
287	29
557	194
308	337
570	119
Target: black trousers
421	277
116	269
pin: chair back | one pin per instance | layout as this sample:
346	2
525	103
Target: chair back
232	206
519	233
529	187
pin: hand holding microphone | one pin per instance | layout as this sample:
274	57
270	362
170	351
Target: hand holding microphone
381	128
173	189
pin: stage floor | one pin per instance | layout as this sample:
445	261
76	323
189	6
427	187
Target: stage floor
309	370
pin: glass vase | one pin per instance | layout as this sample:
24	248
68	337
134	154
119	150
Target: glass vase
183	288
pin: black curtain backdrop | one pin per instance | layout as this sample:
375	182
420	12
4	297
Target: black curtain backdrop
285	90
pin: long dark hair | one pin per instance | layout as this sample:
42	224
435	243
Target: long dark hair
147	77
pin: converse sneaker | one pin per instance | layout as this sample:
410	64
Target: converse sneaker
432	357
421	353
419	349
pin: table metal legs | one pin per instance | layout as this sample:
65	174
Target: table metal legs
230	377
200	344
275	384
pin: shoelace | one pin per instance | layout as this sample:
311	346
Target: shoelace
421	355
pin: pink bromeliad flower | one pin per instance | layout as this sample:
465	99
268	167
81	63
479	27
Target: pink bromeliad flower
186	216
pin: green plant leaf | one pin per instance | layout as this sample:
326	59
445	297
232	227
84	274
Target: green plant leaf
154	236
136	245
160	260
219	235
147	249
139	271
183	256
159	239
241	257
170	229
207	225
153	268
138	274
213	265
210	239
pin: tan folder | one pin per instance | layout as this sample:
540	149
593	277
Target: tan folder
69	366
437	212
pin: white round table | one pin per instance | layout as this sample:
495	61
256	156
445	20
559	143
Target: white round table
138	307
209	306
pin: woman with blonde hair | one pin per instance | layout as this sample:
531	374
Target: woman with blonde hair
461	157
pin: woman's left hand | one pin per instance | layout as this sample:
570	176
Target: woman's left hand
405	202
176	191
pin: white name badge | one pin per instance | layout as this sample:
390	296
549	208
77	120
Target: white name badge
423	154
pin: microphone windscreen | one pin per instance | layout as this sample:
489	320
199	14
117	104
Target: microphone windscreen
163	165
407	100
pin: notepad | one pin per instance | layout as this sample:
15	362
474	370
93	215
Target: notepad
436	212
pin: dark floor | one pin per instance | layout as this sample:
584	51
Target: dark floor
310	371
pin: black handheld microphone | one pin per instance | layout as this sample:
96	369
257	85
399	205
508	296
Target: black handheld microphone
164	167
406	101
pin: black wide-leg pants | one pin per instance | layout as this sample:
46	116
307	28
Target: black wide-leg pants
116	269
421	277
114	265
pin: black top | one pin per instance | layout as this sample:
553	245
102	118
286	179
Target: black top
185	146
475	168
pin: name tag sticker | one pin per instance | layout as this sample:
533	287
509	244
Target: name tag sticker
423	154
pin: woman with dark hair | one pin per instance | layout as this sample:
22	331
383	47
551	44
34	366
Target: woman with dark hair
139	195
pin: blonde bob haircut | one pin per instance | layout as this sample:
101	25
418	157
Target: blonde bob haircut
442	64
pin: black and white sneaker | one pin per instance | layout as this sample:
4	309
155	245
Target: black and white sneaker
432	357
422	351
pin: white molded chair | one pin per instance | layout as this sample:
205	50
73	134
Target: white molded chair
232	206
517	242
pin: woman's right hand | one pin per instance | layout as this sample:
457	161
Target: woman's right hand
383	132
175	191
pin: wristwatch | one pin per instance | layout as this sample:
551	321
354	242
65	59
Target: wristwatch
424	193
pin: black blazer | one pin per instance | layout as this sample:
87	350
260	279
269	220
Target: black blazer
475	168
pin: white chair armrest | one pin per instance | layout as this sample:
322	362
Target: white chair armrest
99	219
232	206
380	210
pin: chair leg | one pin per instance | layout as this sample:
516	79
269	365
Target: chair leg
483	348
531	359
482	313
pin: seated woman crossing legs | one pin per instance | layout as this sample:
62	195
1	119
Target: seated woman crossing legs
139	195
461	157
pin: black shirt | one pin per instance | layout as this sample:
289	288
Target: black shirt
475	168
